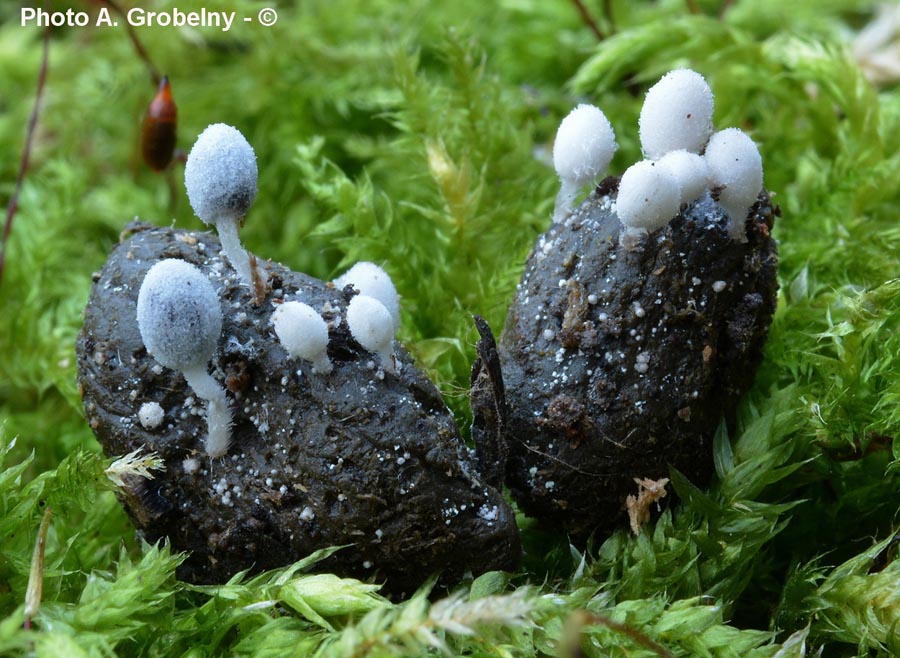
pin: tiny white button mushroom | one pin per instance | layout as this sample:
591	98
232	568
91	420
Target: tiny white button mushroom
735	168
151	415
180	321
221	176
371	326
690	170
677	114
303	333
584	146
648	198
371	280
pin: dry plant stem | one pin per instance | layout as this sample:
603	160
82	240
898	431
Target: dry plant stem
589	20
36	575
578	620
26	153
692	6
138	46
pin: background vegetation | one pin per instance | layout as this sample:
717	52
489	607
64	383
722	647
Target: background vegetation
416	134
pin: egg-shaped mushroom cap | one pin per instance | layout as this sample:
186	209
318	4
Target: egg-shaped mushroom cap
221	174
301	331
735	167
649	196
370	323
369	279
584	146
677	114
179	314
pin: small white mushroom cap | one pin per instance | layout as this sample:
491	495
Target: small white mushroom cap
221	174
151	415
649	196
584	146
303	333
677	114
735	167
371	280
178	314
372	327
690	170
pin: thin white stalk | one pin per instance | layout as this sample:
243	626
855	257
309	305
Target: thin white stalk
218	414
565	199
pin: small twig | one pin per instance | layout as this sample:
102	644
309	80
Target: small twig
577	621
692	6
13	205
589	20
138	46
35	587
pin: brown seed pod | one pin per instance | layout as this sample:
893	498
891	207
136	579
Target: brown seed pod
159	130
621	363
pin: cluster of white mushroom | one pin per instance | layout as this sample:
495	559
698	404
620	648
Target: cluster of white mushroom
179	314
684	158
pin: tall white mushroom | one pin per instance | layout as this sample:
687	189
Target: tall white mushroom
180	321
677	114
584	146
735	169
220	176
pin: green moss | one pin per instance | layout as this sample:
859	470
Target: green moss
416	135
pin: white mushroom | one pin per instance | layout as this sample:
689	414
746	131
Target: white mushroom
690	170
371	280
221	176
371	326
677	114
180	321
735	168
584	146
648	198
303	333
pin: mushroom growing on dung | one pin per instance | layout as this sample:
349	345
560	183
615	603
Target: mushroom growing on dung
371	280
584	146
303	333
677	114
372	327
220	176
180	321
735	169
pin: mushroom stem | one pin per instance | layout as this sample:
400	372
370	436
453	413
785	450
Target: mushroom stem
565	199
235	252
218	412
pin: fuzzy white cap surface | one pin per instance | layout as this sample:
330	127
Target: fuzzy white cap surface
584	146
302	331
677	114
736	166
370	323
151	415
178	314
690	170
221	174
371	280
649	196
